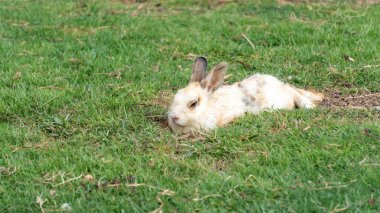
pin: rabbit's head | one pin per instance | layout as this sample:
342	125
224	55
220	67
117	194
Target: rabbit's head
189	109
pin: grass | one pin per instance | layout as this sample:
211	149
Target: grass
85	84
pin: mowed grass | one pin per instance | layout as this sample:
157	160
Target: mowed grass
85	84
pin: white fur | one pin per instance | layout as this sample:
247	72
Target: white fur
254	94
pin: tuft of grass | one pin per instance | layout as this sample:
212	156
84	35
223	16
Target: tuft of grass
85	86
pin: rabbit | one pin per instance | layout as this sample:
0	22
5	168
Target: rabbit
206	104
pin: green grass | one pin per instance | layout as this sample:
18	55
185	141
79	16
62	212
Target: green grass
61	116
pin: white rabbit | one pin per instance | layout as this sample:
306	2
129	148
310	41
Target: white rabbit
205	104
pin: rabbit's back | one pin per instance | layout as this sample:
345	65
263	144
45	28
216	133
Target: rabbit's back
268	92
226	104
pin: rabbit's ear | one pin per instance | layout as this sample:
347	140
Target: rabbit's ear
215	78
199	69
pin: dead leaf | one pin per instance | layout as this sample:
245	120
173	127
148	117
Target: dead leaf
156	68
348	58
306	128
89	177
17	75
40	201
24	24
159	209
139	8
74	60
52	192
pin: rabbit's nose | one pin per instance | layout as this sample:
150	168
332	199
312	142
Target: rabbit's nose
174	118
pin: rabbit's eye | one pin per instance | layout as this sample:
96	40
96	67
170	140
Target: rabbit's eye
193	104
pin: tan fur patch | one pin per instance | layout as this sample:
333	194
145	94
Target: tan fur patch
221	121
260	99
191	87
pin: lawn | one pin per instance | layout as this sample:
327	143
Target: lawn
85	86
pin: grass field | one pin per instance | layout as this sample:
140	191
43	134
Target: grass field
85	84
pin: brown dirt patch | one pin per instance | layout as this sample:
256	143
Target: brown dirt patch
367	100
324	2
161	120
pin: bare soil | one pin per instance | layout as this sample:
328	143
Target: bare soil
363	100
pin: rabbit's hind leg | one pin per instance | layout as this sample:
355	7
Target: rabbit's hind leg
305	99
